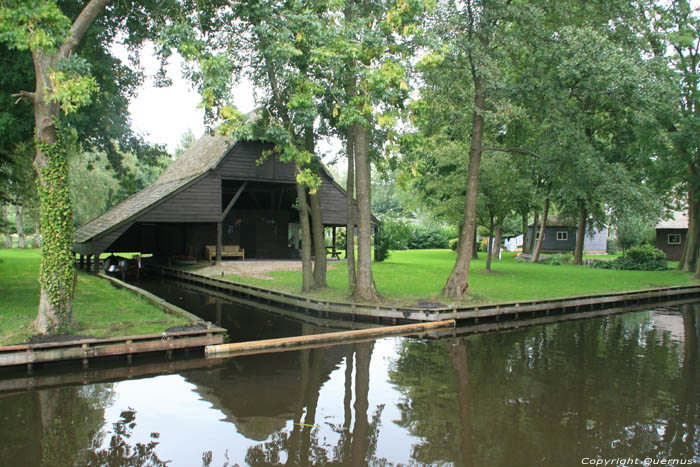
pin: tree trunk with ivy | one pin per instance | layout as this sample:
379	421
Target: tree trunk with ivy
56	276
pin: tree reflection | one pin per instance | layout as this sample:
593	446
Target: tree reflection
303	444
612	387
120	451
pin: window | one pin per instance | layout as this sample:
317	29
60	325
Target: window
537	236
563	235
674	239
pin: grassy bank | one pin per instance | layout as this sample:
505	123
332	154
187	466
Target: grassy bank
410	276
99	308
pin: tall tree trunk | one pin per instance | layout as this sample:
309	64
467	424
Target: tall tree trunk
350	209
538	248
458	282
689	260
51	165
321	262
6	222
580	233
19	223
489	248
365	281
526	240
535	228
499	239
307	277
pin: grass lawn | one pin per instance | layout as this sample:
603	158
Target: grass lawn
99	308
410	276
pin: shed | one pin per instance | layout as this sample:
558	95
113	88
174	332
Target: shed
218	191
670	235
560	236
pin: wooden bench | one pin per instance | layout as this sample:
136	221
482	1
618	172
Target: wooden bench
333	252
229	251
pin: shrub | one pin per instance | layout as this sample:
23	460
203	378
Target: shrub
430	236
642	258
453	243
611	248
398	233
382	242
558	259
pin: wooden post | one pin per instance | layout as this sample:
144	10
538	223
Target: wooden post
97	263
333	239
81	264
219	242
88	263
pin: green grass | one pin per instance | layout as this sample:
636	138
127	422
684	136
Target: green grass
410	276
99	308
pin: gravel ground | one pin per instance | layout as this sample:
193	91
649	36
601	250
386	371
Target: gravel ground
256	268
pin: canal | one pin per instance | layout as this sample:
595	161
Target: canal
619	386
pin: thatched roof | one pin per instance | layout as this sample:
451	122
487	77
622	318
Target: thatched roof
678	221
202	156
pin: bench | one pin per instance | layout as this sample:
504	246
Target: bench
229	251
333	252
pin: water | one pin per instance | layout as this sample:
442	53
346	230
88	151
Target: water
620	386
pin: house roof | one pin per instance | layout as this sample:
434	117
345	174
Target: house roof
202	156
553	221
679	220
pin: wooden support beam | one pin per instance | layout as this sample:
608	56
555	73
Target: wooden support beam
219	242
88	263
97	263
233	200
81	264
333	238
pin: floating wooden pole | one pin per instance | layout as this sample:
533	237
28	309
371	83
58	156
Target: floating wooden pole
331	337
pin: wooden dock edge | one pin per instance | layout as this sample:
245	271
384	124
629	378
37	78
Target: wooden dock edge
326	338
396	314
155	300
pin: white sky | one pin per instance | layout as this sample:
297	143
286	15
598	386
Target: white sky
162	115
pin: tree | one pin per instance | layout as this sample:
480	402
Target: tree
53	33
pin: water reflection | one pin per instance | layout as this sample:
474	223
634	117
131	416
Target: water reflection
617	386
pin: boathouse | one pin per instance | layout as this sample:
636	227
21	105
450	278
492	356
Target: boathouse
219	192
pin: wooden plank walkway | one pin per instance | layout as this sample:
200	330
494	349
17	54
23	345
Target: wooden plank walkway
470	313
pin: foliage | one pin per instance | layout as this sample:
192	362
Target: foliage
634	230
557	259
642	258
453	243
56	274
382	243
430	235
398	232
611	246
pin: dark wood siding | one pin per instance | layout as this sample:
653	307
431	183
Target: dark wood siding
242	164
673	252
199	202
